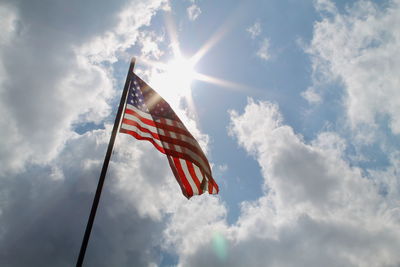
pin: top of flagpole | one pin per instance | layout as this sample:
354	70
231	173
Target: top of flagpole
133	61
132	65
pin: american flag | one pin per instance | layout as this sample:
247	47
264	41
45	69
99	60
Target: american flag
149	117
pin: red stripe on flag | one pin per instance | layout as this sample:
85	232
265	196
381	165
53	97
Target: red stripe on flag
168	135
173	129
214	185
138	136
194	176
171	152
187	157
175	172
210	187
189	146
161	125
137	125
147	121
183	177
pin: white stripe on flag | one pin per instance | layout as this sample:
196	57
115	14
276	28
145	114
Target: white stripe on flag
189	177
198	173
166	145
154	129
140	132
138	111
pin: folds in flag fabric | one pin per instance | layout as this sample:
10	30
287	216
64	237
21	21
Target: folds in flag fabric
149	117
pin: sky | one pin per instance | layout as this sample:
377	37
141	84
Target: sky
295	103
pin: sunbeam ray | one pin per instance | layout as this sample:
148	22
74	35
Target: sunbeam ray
224	29
226	84
172	33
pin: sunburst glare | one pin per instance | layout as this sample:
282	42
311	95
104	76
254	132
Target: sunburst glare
174	79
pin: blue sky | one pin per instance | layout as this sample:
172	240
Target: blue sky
294	102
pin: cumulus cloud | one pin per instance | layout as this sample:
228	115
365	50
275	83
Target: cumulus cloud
193	12
43	219
49	80
312	96
254	30
187	229
150	44
8	23
316	209
52	78
325	6
62	78
106	47
40	77
263	51
358	49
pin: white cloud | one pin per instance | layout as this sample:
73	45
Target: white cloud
263	51
194	224
222	168
131	219
44	216
317	210
124	34
296	180
42	107
8	23
312	96
193	12
51	78
49	172
150	44
359	49
325	6
254	30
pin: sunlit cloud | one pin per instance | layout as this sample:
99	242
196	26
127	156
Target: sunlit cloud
254	30
263	52
193	12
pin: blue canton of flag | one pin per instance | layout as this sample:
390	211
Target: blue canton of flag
135	96
147	100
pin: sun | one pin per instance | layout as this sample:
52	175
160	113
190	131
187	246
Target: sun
175	78
179	75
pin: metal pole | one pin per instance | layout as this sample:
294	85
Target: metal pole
104	168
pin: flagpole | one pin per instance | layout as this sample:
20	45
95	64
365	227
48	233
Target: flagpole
104	168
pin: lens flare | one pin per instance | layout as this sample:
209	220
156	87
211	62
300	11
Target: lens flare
220	246
174	79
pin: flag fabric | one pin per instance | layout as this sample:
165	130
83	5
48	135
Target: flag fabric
149	117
